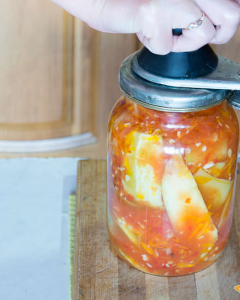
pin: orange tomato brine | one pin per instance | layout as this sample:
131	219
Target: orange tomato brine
171	178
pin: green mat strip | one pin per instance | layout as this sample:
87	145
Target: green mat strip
72	213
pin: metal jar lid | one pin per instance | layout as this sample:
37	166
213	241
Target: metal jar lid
162	97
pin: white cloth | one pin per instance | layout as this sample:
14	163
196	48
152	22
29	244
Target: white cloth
34	227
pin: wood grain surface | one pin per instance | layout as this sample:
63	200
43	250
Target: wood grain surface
48	67
58	77
99	274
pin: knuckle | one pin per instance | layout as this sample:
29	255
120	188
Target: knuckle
233	14
146	8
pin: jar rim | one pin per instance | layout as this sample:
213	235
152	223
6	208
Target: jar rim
165	98
167	109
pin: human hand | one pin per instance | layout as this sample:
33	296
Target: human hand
153	20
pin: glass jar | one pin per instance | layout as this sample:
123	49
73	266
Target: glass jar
171	178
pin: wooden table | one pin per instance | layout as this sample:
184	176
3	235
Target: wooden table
99	274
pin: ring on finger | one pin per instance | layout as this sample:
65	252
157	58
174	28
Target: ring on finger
194	26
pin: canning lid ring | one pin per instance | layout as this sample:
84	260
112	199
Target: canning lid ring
165	98
165	109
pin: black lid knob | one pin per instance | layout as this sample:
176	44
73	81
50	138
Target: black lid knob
179	65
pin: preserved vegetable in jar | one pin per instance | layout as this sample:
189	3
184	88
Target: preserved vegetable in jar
172	156
171	179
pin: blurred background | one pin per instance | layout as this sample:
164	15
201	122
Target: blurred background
58	79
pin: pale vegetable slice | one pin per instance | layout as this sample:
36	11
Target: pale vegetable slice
182	265
146	186
217	168
214	190
184	203
132	236
226	213
129	182
203	154
141	180
129	259
220	151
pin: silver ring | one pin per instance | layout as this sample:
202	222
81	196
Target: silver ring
194	26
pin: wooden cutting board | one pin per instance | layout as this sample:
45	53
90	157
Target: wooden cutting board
100	275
